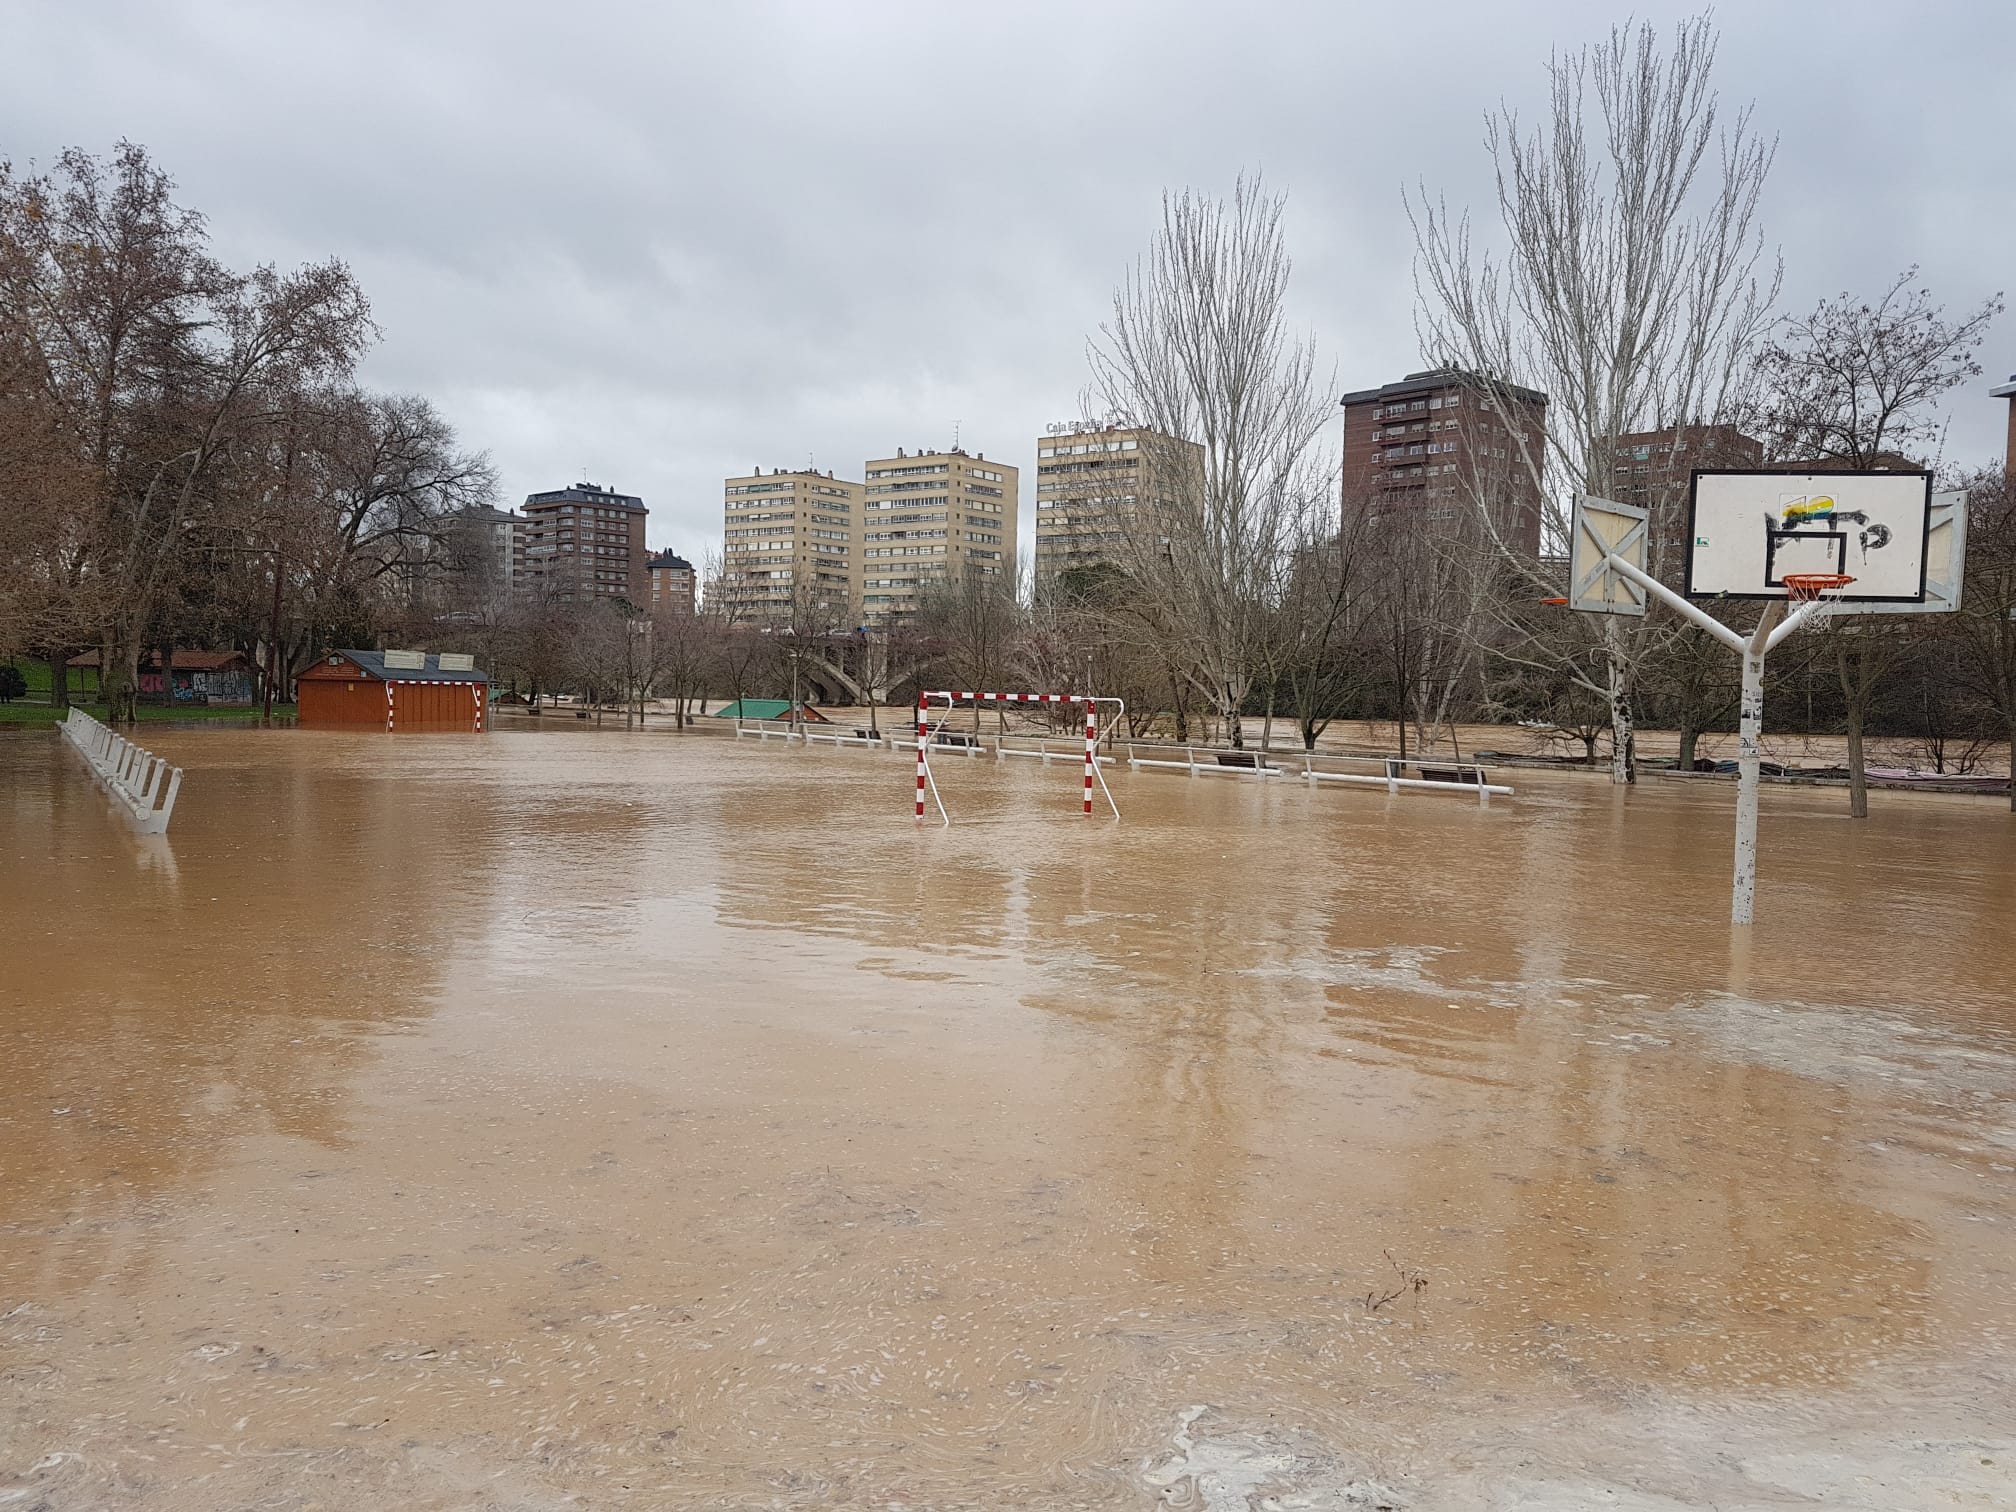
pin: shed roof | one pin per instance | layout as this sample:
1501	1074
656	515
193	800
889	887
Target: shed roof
372	663
768	708
185	660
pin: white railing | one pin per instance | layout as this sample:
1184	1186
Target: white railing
1388	772
765	729
132	776
1450	776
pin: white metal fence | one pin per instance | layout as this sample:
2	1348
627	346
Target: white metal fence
141	783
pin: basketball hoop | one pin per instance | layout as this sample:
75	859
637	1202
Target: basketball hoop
1557	603
1806	587
1813	587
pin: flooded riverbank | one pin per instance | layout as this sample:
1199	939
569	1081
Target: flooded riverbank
626	1120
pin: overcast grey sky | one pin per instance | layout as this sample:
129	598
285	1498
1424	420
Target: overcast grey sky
654	244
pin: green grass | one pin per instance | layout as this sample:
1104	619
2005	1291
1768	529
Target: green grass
82	679
35	709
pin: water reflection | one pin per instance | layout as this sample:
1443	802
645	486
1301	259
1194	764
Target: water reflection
182	994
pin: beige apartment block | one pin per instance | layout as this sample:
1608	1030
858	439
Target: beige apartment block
932	519
1092	482
788	536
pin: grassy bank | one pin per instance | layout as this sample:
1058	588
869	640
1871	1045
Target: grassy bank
36	710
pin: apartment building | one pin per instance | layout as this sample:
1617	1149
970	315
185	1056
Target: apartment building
783	532
1655	471
1435	442
586	543
485	548
673	587
934	518
1095	482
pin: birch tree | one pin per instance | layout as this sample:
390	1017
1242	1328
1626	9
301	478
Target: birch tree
1197	350
1628	282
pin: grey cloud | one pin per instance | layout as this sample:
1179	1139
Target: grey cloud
665	243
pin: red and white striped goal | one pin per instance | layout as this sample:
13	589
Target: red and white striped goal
926	782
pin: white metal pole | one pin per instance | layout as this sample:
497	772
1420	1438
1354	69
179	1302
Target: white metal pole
1749	751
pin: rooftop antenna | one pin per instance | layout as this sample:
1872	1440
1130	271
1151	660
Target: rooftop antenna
955	435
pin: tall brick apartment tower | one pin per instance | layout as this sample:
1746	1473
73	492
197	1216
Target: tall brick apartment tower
587	543
2008	391
1433	440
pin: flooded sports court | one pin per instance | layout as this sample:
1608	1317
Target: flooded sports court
561	1119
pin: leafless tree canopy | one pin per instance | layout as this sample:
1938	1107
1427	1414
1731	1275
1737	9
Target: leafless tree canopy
1857	380
1198	350
192	440
1629	281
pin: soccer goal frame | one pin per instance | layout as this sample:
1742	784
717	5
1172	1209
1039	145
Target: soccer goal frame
926	701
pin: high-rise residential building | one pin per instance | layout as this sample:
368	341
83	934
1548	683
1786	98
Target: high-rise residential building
1436	442
930	519
484	548
1655	471
1095	483
672	584
787	539
586	543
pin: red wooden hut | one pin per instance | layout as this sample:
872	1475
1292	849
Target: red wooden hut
392	691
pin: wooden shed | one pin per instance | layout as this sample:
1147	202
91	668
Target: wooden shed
392	691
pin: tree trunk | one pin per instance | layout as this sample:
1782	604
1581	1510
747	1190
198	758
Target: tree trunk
1267	725
119	676
2012	763
1855	693
1689	738
59	677
1858	777
1235	736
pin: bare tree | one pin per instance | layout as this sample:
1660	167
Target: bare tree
1631	285
1857	383
162	364
1326	607
973	626
1197	350
1985	623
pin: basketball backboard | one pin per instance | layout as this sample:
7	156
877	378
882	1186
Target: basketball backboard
1602	529
1748	529
1945	559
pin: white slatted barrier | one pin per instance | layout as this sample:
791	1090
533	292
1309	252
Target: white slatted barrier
141	784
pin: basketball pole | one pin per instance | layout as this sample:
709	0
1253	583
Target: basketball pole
1750	718
1749	773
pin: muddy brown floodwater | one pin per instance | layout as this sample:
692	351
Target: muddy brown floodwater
622	1120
